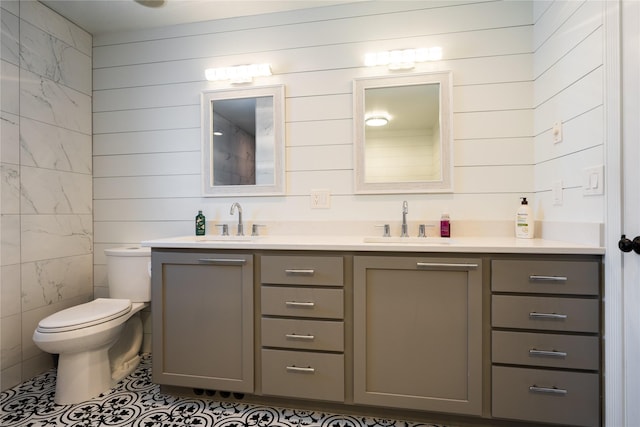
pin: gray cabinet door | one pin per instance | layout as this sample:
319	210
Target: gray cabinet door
418	333
202	308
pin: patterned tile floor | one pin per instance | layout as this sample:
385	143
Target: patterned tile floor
136	401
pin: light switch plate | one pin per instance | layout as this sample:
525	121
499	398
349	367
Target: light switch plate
320	199
593	181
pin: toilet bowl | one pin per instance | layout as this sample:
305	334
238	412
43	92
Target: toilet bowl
99	342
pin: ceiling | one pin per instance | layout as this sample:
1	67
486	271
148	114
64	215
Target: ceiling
107	16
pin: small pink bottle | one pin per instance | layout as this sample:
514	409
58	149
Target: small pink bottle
445	225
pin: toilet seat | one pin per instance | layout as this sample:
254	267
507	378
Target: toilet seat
82	316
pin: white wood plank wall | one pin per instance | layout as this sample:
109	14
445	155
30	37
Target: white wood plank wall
569	87
505	71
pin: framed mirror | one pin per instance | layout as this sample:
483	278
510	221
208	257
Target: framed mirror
403	134
243	141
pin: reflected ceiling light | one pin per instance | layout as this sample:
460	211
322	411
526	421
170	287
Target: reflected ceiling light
402	59
239	73
377	119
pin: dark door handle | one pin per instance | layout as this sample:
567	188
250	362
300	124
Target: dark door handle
627	245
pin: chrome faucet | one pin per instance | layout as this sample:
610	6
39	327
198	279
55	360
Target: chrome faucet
405	211
240	225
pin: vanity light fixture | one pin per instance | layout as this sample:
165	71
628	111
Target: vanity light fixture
402	59
238	74
377	119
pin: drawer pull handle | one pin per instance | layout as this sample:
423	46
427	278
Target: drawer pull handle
445	266
548	390
556	316
223	261
301	337
308	370
547	353
299	304
300	272
538	278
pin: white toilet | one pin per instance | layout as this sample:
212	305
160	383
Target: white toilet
99	342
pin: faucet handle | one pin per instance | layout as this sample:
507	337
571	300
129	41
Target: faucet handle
386	232
225	229
254	229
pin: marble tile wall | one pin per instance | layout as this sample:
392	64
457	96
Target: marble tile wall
46	178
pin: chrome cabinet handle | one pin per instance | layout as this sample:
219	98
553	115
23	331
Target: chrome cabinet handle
548	390
539	278
299	272
222	261
299	304
300	337
445	266
308	370
547	353
534	315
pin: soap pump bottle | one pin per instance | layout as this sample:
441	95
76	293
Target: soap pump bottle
525	223
445	225
200	224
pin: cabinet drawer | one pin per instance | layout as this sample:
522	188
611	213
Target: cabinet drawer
567	398
547	350
302	302
303	334
545	313
302	270
303	375
550	277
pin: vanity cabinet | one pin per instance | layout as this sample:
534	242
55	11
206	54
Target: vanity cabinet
546	340
202	310
302	322
418	333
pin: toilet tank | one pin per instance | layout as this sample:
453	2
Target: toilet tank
129	273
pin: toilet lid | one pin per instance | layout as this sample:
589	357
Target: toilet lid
92	313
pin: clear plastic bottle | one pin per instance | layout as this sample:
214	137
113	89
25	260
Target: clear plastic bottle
201	224
445	225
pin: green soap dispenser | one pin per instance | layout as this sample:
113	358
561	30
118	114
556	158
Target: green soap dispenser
201	224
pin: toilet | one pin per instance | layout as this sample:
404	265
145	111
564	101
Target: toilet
99	342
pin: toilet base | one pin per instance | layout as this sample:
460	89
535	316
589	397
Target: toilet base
85	375
82	376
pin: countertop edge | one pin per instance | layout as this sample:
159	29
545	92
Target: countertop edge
356	244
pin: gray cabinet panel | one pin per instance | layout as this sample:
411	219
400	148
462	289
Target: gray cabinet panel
558	314
567	398
203	320
303	374
549	277
418	333
546	350
302	270
303	334
302	302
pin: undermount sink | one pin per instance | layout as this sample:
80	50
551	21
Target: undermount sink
410	240
220	238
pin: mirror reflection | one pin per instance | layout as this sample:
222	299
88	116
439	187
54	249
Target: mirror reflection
242	141
403	134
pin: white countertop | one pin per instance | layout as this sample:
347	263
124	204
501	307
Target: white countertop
502	245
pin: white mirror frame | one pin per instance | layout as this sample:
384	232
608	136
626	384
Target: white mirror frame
207	98
445	184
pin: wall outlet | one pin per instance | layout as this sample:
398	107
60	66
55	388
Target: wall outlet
593	181
320	199
556	131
